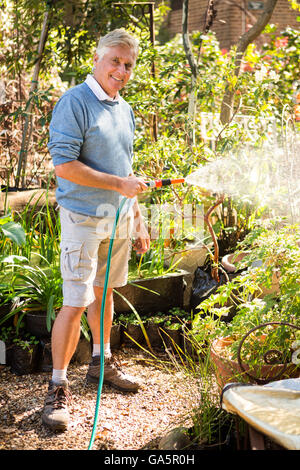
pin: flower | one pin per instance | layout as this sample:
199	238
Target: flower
281	42
246	67
260	74
273	76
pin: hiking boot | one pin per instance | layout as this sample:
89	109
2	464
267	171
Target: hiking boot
55	413
113	375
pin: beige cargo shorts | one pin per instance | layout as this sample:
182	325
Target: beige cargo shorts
84	250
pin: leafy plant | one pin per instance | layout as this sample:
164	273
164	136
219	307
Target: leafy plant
39	290
277	249
7	333
27	342
11	230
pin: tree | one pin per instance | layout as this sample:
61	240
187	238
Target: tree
209	18
244	41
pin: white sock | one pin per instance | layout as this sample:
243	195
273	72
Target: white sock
107	352
96	350
59	375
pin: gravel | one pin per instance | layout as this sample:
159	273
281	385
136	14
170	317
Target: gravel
126	421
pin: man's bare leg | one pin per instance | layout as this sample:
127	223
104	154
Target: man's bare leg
65	335
93	315
113	374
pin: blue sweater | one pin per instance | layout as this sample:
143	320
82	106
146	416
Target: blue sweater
97	133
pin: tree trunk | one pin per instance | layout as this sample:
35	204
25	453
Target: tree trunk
193	66
209	18
243	43
21	170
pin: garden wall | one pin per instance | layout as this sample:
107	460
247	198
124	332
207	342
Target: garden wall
231	21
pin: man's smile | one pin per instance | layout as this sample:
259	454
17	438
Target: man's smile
118	79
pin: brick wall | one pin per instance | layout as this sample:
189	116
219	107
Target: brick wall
231	21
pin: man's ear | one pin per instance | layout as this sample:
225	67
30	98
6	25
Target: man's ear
95	58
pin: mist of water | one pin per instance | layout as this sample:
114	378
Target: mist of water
267	178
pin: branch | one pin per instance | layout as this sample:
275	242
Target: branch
243	43
215	269
250	35
185	38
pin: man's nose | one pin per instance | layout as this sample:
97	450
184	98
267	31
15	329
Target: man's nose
122	68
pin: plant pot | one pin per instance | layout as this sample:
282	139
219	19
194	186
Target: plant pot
228	370
6	352
231	261
171	338
190	258
36	324
152	294
24	361
153	331
115	336
136	333
45	356
82	354
188	345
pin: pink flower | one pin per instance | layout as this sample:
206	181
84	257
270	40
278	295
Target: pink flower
281	42
267	58
224	51
246	67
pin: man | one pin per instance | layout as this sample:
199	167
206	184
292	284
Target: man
91	144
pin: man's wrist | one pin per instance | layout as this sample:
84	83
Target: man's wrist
117	183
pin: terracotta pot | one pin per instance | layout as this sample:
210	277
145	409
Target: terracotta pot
229	263
227	370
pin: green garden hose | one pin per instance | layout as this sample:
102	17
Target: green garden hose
156	184
101	377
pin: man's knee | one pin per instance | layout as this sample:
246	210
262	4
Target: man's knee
71	313
99	291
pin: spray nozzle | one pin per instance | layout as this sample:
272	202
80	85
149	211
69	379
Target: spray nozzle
166	182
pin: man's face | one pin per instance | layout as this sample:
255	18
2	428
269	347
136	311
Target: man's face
114	69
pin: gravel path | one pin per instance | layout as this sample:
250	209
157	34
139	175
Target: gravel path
126	421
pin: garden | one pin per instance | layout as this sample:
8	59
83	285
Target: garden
216	299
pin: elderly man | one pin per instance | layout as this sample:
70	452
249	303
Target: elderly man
91	144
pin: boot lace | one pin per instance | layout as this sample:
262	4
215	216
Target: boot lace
61	397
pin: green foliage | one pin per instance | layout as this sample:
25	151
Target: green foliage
251	297
37	289
7	333
9	229
73	33
27	342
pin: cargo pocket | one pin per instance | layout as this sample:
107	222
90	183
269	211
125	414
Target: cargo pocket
70	257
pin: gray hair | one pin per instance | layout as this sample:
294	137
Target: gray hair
117	37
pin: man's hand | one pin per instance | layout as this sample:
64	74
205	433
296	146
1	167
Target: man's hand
132	186
142	241
140	232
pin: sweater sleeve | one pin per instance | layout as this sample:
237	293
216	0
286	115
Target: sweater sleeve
66	132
